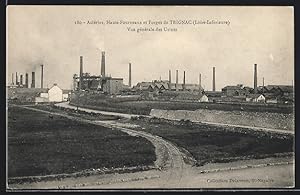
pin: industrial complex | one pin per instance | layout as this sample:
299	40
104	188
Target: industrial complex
159	89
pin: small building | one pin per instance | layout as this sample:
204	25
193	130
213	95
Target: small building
272	101
54	94
255	98
66	95
41	99
203	98
44	95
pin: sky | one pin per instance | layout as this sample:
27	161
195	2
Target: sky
49	35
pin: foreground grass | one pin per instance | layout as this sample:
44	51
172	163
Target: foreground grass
209	143
39	144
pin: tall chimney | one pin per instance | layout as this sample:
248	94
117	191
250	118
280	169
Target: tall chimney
129	80
42	75
214	79
200	82
103	64
176	80
81	72
183	85
255	78
21	79
33	80
26	80
170	81
17	79
263	81
12	78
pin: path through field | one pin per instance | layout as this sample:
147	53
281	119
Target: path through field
173	172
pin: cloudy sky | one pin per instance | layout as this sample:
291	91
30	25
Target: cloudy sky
48	35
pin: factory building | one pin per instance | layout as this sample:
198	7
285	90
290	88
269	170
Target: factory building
112	85
107	84
21	81
162	85
237	90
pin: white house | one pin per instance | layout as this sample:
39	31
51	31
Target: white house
203	98
54	94
255	98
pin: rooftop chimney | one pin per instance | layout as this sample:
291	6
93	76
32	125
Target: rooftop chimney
255	78
129	80
103	64
26	80
42	75
21	79
183	85
214	79
176	80
81	72
33	80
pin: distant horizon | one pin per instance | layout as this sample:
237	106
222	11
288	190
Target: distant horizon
256	35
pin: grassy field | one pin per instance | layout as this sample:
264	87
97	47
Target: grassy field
102	102
41	145
209	143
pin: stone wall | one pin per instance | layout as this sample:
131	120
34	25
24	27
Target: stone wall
255	119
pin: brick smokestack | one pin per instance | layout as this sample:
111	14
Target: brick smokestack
33	80
129	80
176	80
81	72
200	82
183	85
255	78
103	64
26	80
214	79
263	81
170	80
21	79
12	78
17	83
42	75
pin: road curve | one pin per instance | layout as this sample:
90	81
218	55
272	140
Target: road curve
172	164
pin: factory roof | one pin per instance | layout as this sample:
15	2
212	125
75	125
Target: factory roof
232	87
213	93
67	90
284	88
114	78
